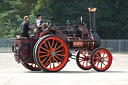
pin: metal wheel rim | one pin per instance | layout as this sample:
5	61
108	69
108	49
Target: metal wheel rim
101	53
84	63
52	63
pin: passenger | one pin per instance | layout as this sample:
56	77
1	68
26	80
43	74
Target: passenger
25	27
38	25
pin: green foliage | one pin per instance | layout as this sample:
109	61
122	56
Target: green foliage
111	15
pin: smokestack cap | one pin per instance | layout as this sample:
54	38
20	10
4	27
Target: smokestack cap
92	9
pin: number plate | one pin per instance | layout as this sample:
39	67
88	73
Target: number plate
77	44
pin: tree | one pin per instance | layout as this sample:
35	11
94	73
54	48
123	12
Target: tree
111	15
12	16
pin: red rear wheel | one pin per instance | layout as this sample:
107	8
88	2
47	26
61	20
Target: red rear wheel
101	59
31	66
83	59
51	53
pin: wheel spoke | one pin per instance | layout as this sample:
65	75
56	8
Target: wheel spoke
101	65
98	63
97	55
55	45
53	42
44	59
49	44
103	54
81	57
104	64
56	61
100	53
86	63
47	60
50	63
53	62
59	51
83	63
45	45
43	56
42	52
60	54
83	54
105	61
35	66
95	58
58	47
45	49
58	58
106	57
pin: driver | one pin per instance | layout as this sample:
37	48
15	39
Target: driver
38	25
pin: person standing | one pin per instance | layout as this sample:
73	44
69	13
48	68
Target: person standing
25	27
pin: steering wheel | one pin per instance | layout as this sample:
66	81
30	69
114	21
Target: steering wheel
49	24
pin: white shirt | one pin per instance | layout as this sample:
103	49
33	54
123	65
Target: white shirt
38	22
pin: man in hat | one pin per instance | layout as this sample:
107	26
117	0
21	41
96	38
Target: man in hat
38	25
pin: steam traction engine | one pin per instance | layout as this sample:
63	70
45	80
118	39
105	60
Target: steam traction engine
51	50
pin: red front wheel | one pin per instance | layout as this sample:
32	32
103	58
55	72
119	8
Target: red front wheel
101	59
83	59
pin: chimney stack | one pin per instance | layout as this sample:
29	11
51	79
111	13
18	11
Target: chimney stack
92	19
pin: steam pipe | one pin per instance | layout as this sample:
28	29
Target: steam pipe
92	19
93	28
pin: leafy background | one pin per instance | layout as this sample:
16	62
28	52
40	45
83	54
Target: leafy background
111	15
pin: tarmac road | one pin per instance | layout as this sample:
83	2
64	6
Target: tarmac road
12	73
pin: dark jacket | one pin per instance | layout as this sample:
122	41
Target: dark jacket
24	29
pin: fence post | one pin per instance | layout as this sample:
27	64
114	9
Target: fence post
119	46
